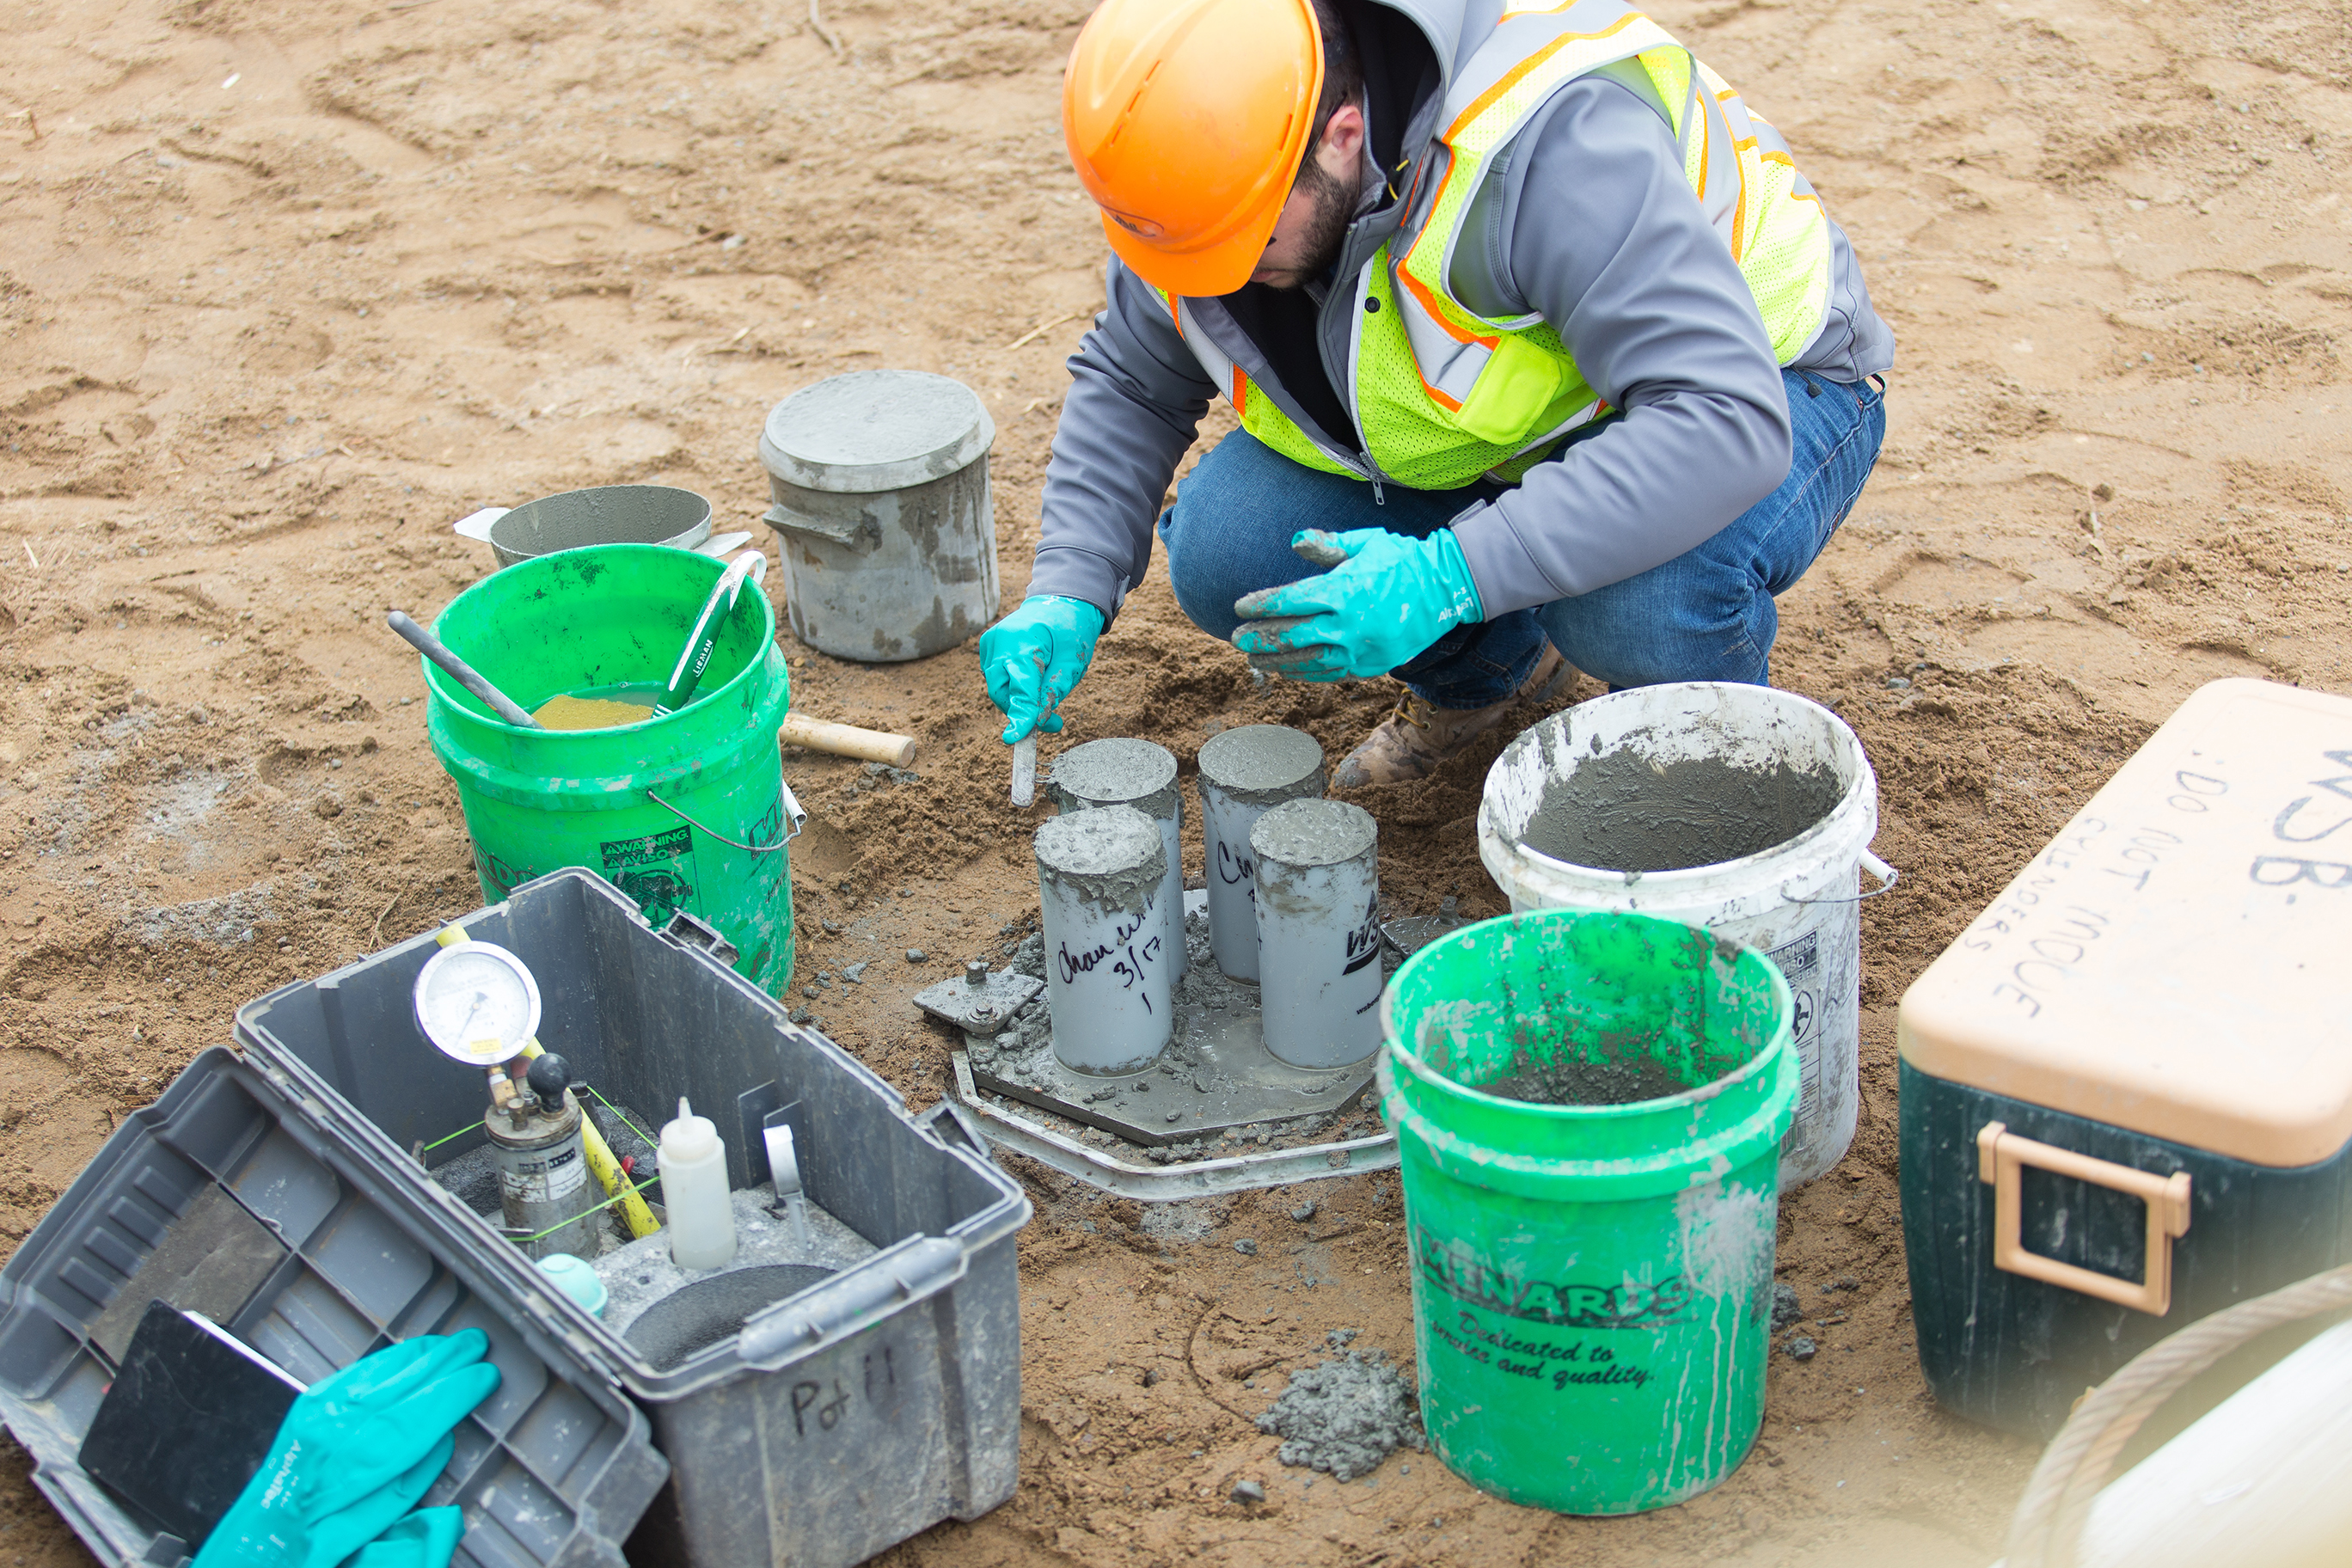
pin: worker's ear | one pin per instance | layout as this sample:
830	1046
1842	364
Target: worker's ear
1342	148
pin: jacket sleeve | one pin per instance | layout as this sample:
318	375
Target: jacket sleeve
1136	399
1598	232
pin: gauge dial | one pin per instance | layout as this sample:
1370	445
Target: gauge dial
477	1003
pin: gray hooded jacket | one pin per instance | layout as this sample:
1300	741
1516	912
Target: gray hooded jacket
1585	219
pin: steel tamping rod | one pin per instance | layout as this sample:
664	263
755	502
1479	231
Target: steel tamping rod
464	674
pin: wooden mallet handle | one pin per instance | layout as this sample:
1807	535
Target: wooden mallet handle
847	741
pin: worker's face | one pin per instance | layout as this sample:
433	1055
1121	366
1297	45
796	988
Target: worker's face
1314	221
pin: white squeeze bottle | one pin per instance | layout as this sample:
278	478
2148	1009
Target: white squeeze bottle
693	1192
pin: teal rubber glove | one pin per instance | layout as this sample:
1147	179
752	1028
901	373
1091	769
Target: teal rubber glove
1033	658
1386	600
426	1538
354	1455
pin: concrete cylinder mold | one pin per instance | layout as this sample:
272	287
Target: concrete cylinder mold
882	511
1317	869
1141	774
1099	880
1245	772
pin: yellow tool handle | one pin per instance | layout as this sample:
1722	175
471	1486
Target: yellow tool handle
634	1212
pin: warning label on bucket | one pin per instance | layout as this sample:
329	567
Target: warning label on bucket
1801	962
652	870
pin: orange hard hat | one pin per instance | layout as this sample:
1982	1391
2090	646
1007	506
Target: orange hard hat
1188	120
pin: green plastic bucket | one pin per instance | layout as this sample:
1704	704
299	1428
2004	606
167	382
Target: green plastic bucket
682	813
1592	1283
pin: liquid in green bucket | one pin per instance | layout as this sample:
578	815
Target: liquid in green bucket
1592	1281
683	812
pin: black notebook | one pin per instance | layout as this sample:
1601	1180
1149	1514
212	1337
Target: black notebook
187	1422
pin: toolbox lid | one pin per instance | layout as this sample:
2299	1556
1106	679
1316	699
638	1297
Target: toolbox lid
2173	961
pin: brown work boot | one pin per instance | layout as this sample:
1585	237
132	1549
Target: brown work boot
1411	742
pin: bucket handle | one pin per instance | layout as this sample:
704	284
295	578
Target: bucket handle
793	811
1888	877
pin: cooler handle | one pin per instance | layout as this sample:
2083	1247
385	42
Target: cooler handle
2001	1159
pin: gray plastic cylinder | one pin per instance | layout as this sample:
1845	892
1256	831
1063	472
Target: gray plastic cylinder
1141	774
1244	772
886	530
1099	880
1317	869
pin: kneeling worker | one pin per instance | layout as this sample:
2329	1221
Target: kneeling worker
1539	342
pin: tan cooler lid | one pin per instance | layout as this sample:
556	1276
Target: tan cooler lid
2175	962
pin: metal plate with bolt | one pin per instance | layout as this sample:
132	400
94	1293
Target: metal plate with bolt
2003	1158
981	1000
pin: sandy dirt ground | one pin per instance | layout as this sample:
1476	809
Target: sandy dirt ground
284	291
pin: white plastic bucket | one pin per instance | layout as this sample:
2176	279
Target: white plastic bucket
1796	901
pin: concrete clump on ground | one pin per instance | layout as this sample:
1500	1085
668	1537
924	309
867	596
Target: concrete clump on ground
1345	1416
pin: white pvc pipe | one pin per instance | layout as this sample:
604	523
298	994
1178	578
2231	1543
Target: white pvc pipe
1099	880
1141	774
1244	773
1316	866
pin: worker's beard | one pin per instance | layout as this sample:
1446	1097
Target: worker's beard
1335	209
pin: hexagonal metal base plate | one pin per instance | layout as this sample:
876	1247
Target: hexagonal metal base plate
1219	1075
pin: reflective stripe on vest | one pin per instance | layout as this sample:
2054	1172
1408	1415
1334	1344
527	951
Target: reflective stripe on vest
1443	396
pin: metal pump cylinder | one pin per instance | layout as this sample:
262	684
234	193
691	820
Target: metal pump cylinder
1099	875
1141	774
1244	773
1317	869
543	1169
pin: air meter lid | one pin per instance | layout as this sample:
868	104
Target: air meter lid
477	1003
874	430
2171	963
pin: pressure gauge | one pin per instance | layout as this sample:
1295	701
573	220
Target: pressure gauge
477	1003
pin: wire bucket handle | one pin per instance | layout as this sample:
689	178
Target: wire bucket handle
793	813
1888	877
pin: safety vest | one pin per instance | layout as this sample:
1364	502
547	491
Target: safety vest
1443	396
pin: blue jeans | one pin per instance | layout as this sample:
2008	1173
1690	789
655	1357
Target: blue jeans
1706	614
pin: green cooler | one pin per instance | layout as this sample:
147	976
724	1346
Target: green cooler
2126	1089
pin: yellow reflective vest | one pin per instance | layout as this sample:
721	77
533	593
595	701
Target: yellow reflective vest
1443	395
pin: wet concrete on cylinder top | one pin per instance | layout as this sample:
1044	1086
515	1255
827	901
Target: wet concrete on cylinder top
1110	858
1263	763
1620	812
1116	771
1314	833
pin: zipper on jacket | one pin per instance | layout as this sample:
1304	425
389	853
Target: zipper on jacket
1349	400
